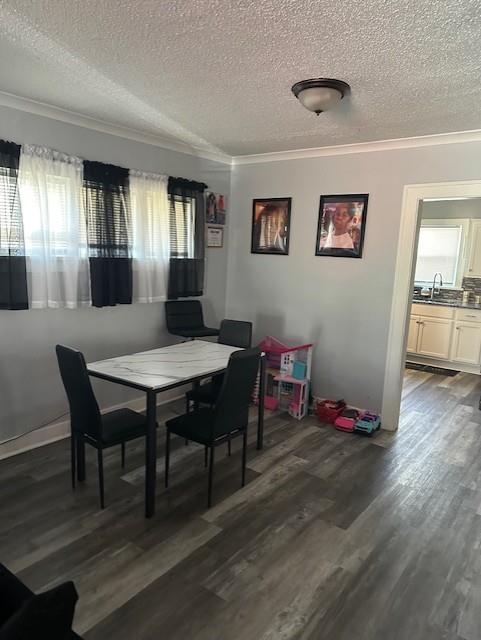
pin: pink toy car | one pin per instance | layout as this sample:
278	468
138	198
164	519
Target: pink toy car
347	420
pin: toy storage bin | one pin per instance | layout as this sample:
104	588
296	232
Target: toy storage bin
329	410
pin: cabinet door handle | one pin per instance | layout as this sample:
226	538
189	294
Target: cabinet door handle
468	316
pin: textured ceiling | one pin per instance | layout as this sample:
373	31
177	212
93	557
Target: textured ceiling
216	74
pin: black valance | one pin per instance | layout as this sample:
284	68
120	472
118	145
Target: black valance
13	272
107	206
179	186
107	174
9	155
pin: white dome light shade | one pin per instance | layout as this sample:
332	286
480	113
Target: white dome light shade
320	99
320	94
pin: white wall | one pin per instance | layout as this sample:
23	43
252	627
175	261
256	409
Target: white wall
342	305
30	389
453	209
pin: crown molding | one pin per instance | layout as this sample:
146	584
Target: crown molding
457	137
80	120
71	117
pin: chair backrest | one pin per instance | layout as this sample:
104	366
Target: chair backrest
184	315
236	333
232	407
84	410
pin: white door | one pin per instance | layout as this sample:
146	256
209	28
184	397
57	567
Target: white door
434	337
412	345
474	264
467	343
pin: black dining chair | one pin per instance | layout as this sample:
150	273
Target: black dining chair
228	419
235	333
87	424
185	318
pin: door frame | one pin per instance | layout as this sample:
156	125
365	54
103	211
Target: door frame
403	285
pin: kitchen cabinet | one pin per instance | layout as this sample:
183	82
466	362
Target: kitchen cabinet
430	337
434	338
466	343
446	333
430	329
413	333
474	262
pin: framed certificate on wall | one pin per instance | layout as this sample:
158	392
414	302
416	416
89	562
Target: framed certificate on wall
215	237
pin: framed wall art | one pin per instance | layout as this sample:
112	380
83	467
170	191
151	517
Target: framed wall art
215	237
341	225
271	219
215	208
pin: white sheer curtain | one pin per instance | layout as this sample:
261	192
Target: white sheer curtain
150	235
50	187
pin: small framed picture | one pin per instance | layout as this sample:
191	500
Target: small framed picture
271	219
215	237
341	226
215	210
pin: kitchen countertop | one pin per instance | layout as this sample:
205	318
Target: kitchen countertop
453	303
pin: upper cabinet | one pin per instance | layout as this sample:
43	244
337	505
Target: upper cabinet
474	261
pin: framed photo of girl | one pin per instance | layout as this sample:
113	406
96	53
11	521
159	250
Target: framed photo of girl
341	226
271	219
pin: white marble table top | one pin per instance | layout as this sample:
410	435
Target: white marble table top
167	366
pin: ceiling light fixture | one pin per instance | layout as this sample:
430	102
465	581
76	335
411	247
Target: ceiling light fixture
320	94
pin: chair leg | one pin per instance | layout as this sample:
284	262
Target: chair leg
206	454
123	454
100	457
211	477
80	458
167	458
73	458
187	410
229	448
244	458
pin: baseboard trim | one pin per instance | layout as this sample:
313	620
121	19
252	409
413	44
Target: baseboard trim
444	364
61	430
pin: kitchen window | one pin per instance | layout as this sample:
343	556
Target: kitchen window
441	249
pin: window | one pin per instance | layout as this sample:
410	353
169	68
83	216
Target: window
75	232
62	227
182	225
441	249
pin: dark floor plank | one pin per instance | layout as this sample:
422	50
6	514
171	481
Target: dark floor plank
334	537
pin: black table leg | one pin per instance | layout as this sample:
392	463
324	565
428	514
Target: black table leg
262	391
150	455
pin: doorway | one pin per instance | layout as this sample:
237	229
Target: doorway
401	317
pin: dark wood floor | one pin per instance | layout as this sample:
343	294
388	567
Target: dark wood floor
335	536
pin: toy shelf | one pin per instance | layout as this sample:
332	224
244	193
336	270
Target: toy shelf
293	395
290	379
288	373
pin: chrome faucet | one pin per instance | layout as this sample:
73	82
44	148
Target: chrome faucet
433	290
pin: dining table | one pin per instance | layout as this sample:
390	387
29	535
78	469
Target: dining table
163	369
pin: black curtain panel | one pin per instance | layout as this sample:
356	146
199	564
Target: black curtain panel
107	206
13	271
187	238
